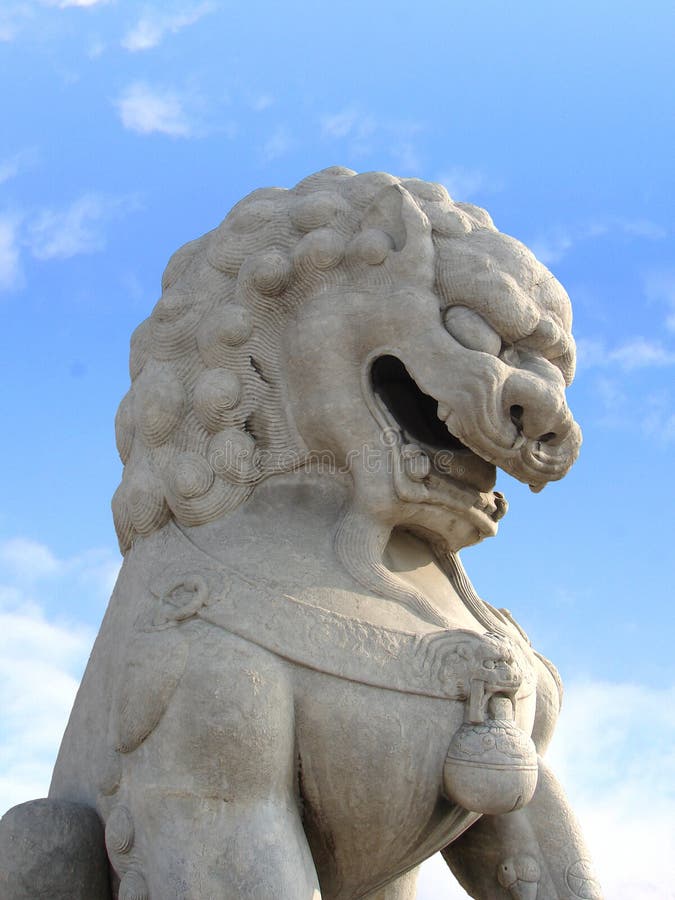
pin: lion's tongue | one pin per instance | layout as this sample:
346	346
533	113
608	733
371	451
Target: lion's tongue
467	468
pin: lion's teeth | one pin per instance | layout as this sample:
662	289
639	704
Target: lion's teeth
519	441
443	411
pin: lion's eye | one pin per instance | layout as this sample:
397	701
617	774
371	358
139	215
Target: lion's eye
471	330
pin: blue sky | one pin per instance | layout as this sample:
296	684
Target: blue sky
130	128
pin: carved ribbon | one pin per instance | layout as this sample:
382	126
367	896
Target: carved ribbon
443	664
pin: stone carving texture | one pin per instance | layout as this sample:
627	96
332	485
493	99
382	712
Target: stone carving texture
296	691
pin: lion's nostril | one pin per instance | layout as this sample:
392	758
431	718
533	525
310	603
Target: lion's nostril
545	438
516	412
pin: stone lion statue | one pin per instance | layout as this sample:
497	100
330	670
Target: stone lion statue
296	692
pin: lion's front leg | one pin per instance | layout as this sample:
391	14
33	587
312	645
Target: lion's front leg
536	853
207	807
204	850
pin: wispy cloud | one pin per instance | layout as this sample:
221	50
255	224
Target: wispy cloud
261	102
621	399
640	353
633	353
146	110
57	233
78	228
27	559
613	752
12	16
660	288
466	183
14	165
40	663
363	135
10	260
555	244
96	48
649	415
278	144
15	16
154	25
436	881
406	157
25	562
41	656
349	122
658	420
79	4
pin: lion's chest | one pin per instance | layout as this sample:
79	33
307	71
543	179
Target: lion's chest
370	773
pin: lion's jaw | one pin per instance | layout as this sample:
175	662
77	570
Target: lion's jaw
420	421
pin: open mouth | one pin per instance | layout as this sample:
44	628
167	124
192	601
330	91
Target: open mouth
415	415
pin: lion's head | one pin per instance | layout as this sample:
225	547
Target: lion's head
366	318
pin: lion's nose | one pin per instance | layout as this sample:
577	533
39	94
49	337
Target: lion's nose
537	406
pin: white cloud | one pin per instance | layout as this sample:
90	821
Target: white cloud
436	882
614	753
15	16
614	382
278	144
10	265
261	102
8	29
12	17
660	287
634	353
642	228
80	4
640	353
591	352
154	25
24	563
347	123
26	559
356	129
79	228
658	420
40	663
13	165
41	657
146	109
463	183
553	246
57	233
406	157
616	408
96	48
661	426
362	135
614	401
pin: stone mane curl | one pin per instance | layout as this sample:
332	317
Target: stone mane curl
204	420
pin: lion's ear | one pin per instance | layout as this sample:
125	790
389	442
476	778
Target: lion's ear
395	212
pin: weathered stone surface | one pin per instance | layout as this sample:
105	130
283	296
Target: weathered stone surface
296	691
52	850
